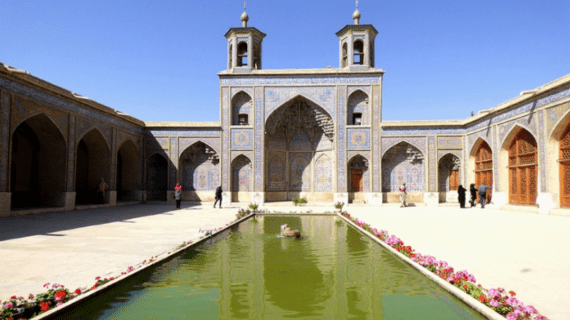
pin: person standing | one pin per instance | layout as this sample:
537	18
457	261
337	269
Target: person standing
218	196
473	191
403	195
461	196
483	194
178	194
101	191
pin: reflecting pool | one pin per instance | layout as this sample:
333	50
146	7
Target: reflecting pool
333	272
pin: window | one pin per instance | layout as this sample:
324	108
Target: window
358	52
357	119
243	120
242	54
344	55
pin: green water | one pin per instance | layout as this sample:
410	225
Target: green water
334	272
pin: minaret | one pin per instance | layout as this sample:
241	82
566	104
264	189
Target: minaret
357	44
244	46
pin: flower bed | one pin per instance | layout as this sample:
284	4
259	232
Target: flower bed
57	294
497	299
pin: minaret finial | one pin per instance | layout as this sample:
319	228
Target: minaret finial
356	14
244	16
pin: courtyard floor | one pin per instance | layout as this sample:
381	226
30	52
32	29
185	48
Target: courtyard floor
524	252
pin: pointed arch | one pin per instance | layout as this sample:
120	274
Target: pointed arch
241	108
480	165
128	172
93	163
89	131
397	164
241	177
448	173
297	96
206	143
199	167
39	114
38	163
358	108
358	174
402	140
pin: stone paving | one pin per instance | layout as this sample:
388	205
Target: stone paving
519	251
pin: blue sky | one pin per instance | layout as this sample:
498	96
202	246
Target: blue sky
158	60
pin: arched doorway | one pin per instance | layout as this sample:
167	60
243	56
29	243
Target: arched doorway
92	163
358	179
128	172
564	165
448	172
484	168
523	169
38	167
156	177
242	179
199	172
403	163
297	134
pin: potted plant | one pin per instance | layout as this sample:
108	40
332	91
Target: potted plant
339	206
253	206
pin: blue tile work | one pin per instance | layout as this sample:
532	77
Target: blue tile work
358	139
324	144
259	124
300	142
247	154
365	89
236	90
277	96
241	104
432	163
341	160
376	151
472	138
225	139
242	139
390	131
242	174
63	104
71	155
194	132
449	142
276	170
542	164
298	80
277	144
397	169
496	179
527	122
4	139
418	142
554	115
200	176
84	126
184	143
174	160
560	94
323	174
300	171
443	153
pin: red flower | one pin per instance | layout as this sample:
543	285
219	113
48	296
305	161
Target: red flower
465	286
60	295
483	299
93	287
97	278
512	293
112	278
77	291
44	306
13	297
10	318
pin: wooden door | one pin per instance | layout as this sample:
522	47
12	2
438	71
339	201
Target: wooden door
453	179
356	184
564	167
523	169
484	168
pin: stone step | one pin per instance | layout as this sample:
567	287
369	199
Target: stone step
510	207
560	212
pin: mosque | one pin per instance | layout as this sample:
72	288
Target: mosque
314	133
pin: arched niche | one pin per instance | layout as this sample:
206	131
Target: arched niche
199	168
242	109
156	177
480	166
358	111
323	174
358	179
556	162
403	163
93	163
129	172
448	177
38	168
242	179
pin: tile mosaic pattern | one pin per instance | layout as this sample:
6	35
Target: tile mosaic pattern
432	163
241	104
277	96
276	170
225	139
323	174
195	132
242	174
299	80
358	102
420	131
300	171
174	165
259	125
418	142
397	169
184	143
472	138
358	139
442	153
83	126
28	108
528	122
376	151
4	139
341	159
449	142
553	116
542	153
365	89
495	151
67	106
247	154
236	90
242	139
71	155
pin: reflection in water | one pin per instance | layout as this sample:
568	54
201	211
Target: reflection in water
334	272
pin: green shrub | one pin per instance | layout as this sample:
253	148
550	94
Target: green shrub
298	201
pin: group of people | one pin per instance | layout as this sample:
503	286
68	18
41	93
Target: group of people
178	195
461	195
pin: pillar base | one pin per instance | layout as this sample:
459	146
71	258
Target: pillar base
375	198
112	198
431	199
258	197
500	199
69	201
170	196
144	196
546	202
226	199
341	197
5	203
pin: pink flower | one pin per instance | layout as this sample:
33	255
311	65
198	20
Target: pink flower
31	297
493	293
512	301
494	303
8	305
529	310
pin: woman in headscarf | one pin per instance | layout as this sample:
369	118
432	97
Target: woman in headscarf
461	196
473	191
177	194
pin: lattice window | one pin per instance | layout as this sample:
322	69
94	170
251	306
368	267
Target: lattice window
523	169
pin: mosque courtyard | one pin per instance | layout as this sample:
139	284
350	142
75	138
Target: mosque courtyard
519	251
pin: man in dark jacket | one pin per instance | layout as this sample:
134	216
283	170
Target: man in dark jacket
218	196
483	194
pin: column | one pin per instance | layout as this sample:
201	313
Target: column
5	195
